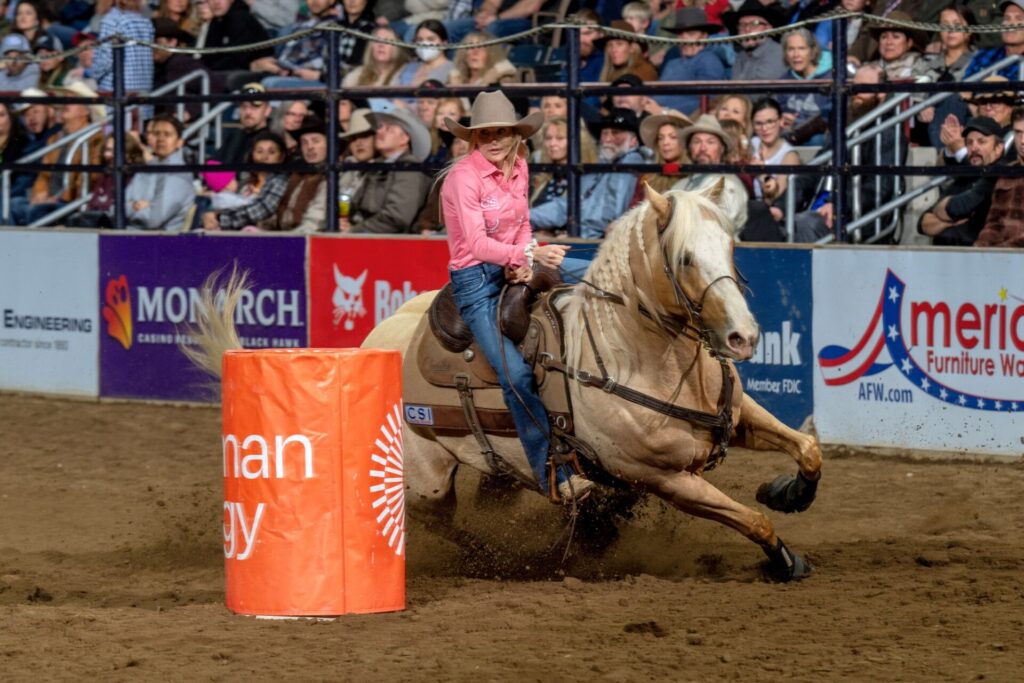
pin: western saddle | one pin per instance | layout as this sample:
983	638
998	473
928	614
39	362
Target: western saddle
450	388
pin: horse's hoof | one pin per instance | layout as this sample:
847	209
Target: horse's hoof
788	493
785	565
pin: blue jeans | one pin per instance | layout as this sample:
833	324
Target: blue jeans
476	290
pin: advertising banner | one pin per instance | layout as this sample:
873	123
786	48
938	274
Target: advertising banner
780	375
149	289
920	350
355	283
49	312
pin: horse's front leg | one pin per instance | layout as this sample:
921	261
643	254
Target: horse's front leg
691	493
760	430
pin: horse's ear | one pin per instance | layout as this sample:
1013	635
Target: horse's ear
714	192
661	205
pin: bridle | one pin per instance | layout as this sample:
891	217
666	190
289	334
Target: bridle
720	422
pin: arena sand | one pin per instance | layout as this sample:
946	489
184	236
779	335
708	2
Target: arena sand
111	569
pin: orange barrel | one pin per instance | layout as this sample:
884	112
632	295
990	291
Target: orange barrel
314	502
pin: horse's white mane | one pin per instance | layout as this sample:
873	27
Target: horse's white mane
627	264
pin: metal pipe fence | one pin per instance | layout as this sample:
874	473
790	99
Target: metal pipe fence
833	163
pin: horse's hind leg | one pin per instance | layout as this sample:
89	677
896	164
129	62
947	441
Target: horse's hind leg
691	493
760	430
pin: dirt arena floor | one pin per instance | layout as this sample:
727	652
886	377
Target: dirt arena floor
111	569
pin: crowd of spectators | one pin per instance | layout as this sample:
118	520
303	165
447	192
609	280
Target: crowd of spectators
671	130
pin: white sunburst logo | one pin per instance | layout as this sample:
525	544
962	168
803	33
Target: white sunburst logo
388	487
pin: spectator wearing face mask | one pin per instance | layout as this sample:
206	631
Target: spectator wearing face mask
430	62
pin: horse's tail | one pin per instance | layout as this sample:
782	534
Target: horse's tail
214	330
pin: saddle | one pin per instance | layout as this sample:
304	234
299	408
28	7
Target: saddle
451	389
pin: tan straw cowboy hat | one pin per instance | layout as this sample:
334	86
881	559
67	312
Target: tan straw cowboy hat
494	110
650	126
707	124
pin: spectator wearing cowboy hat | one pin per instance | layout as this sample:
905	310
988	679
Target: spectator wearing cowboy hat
170	66
959	216
900	49
389	201
662	134
997	106
625	56
605	196
758	58
17	76
49	192
697	63
706	143
359	148
304	205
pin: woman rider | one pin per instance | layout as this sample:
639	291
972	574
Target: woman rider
484	202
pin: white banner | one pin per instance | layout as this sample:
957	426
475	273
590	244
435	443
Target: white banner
49	309
920	350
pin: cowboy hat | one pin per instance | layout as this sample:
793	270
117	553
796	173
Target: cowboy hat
494	110
97	112
358	124
21	107
995	95
619	119
625	27
753	8
707	124
311	123
919	37
650	126
419	136
691	19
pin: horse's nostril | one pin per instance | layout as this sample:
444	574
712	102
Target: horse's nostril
737	340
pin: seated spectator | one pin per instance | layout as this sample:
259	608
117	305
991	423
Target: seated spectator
899	49
758	58
99	210
948	64
625	56
662	133
49	192
551	187
357	15
805	116
641	105
997	106
430	63
862	47
303	207
388	202
591	49
447	108
302	61
1004	224
484	66
86	41
768	147
605	196
231	24
275	15
698	63
169	67
51	71
735	108
162	200
426	107
13	140
31	20
706	143
253	117
381	62
640	15
182	13
287	118
500	17
1013	43
361	148
40	121
958	217
17	76
125	19
817	222
552	106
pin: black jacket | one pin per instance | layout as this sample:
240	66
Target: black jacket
237	27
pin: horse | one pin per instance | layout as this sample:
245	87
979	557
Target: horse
652	331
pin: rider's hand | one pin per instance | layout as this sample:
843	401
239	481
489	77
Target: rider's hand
517	275
550	255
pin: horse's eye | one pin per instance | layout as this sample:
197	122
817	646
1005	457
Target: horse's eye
687	259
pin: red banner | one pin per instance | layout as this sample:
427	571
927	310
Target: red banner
354	283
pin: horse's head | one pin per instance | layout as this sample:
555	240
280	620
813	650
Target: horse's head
700	280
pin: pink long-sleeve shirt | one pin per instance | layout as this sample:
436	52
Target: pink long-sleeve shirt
488	219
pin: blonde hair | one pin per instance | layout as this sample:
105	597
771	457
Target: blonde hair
741	144
640	10
588	152
508	164
495	53
748	106
376	73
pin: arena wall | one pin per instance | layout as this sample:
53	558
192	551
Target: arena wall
103	315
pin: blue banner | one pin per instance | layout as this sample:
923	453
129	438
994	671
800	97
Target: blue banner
780	375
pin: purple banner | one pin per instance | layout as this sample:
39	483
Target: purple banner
149	291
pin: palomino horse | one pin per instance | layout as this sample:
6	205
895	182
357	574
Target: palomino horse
659	314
